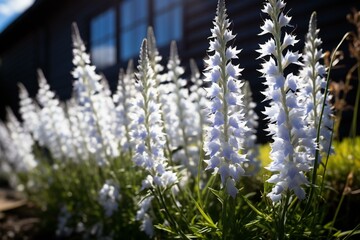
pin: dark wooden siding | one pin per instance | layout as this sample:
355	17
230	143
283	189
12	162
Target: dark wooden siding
44	41
18	64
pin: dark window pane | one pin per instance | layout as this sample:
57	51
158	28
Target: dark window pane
125	49
162	28
133	11
125	13
168	21
102	37
109	23
133	22
140	9
94	31
177	23
160	4
130	41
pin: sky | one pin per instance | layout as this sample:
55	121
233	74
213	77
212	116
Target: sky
11	9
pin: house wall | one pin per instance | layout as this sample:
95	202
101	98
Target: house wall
45	40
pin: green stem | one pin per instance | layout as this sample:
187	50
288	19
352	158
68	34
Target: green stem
210	183
169	215
282	222
326	162
316	164
224	218
316	216
224	79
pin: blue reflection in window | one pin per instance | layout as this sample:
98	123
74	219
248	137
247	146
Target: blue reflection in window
163	4
102	39
168	21
133	22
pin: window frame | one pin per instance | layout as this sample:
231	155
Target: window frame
151	18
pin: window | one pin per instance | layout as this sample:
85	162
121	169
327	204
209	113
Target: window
167	21
102	39
116	34
133	26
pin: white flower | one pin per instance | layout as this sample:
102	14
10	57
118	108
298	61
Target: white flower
29	112
16	138
198	97
55	133
154	57
143	216
78	131
224	137
181	124
250	147
96	107
7	150
312	87
109	197
147	131
292	148
147	226
123	103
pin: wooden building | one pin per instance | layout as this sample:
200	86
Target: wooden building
113	30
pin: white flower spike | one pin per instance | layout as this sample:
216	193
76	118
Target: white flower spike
224	137
292	148
312	87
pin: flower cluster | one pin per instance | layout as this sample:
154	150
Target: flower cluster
123	97
17	145
143	216
181	124
312	89
198	97
108	197
56	137
78	130
293	148
147	131
155	59
95	107
224	137
249	146
29	112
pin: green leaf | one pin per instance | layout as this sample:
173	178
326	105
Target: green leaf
257	211
347	234
164	228
217	194
205	216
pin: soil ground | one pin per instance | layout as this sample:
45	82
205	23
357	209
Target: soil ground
18	218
